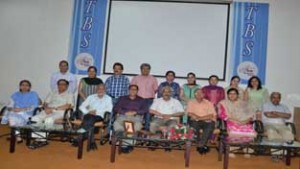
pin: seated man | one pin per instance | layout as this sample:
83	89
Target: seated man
274	116
166	111
202	116
129	108
54	107
94	108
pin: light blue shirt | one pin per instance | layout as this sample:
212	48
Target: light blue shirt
95	103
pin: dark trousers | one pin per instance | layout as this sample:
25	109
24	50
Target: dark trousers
147	115
207	127
89	120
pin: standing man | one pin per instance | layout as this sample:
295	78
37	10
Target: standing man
63	74
147	88
117	84
202	116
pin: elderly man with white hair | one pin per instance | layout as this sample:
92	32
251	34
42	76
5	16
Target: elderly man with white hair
166	111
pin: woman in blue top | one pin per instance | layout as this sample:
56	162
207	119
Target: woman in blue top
21	105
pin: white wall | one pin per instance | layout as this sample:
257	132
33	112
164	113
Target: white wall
34	37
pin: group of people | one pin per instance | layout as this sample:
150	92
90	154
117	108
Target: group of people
136	101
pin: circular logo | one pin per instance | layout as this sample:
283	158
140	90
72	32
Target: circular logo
83	61
247	69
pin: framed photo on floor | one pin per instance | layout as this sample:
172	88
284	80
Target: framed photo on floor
129	127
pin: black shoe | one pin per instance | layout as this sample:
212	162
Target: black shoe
206	149
74	142
203	150
168	147
130	148
93	146
200	150
126	149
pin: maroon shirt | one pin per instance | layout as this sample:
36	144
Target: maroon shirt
125	104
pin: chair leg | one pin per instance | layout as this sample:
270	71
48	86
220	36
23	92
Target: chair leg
104	137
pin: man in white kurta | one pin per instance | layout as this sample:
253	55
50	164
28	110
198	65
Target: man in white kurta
56	103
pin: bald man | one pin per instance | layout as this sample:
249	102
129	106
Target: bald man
274	117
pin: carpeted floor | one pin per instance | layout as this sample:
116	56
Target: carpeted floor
59	155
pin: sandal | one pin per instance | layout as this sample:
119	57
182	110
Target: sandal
19	140
37	144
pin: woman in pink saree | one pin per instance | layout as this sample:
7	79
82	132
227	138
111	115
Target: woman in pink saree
238	116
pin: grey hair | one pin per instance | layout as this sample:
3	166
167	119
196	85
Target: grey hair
165	88
197	90
274	93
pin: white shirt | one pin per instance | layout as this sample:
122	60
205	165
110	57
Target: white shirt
167	107
71	78
269	107
100	105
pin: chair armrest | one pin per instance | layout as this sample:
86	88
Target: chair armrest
37	110
106	117
292	126
68	114
258	126
3	110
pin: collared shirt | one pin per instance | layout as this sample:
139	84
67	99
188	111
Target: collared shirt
147	85
117	86
175	87
55	99
71	78
100	105
126	104
168	107
214	93
203	108
269	107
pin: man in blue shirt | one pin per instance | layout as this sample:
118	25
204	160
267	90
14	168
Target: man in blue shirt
117	84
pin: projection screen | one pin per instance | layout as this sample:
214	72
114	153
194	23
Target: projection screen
179	36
